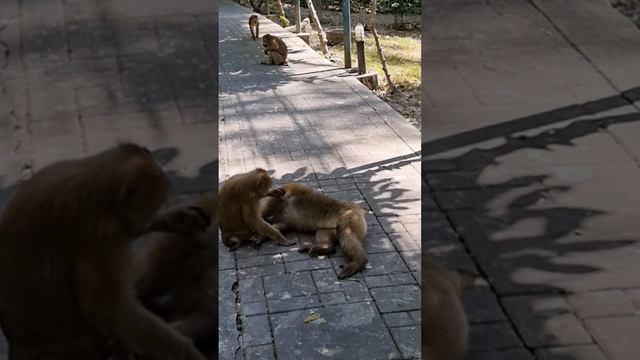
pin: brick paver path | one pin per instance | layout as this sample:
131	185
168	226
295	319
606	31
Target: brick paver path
312	122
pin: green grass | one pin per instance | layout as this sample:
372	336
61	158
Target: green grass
403	59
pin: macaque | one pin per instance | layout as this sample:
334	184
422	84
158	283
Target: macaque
66	289
239	210
445	333
254	23
175	269
275	49
299	208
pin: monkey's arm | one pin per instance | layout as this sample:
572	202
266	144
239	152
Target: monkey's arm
253	218
107	300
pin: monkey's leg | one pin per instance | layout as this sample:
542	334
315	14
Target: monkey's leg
257	239
233	240
257	29
276	58
324	243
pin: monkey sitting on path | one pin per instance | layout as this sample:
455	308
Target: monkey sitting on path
299	208
275	49
254	23
445	335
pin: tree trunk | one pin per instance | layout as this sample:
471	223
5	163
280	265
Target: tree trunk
383	60
321	34
280	12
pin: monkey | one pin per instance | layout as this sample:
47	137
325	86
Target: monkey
275	49
65	260
175	273
446	335
239	210
254	23
297	207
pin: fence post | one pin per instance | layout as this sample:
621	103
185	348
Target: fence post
346	23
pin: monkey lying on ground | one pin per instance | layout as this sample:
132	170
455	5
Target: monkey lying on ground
240	219
175	270
65	260
298	207
275	49
445	334
254	23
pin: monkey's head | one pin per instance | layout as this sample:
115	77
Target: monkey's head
261	181
266	39
142	187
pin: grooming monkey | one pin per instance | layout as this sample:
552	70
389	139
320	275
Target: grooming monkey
239	204
254	23
446	332
275	49
175	269
299	208
66	289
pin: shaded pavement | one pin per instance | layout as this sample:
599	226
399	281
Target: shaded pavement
531	153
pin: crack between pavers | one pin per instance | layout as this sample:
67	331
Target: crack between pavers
621	93
235	288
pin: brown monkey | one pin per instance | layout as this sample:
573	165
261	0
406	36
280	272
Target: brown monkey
65	256
254	23
239	204
445	336
175	269
332	220
275	49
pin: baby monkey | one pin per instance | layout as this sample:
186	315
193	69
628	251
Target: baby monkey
254	23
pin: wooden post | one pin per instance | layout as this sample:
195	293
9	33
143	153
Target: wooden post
321	33
297	16
346	26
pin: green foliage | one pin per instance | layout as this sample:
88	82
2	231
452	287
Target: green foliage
396	7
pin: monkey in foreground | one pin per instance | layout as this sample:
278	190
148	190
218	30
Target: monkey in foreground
275	49
446	332
299	208
254	23
65	260
175	271
239	210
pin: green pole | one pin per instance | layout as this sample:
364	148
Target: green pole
346	23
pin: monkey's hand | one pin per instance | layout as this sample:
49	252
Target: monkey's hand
285	242
257	239
185	220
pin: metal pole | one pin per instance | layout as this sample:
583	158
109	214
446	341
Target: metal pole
346	23
297	15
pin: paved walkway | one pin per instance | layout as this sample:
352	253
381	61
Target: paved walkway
311	122
78	76
531	159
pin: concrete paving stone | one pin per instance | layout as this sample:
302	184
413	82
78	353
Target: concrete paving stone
360	323
326	280
397	298
258	261
260	352
251	289
225	259
493	336
294	256
507	354
355	291
289	285
292	303
398	319
404	241
634	296
178	33
135	37
310	264
91	39
616	336
253	308
412	259
256	330
408	340
273	269
606	303
416	316
494	199
332	298
482	305
545	321
584	352
382	263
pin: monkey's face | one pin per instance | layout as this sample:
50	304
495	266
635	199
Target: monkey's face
266	39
